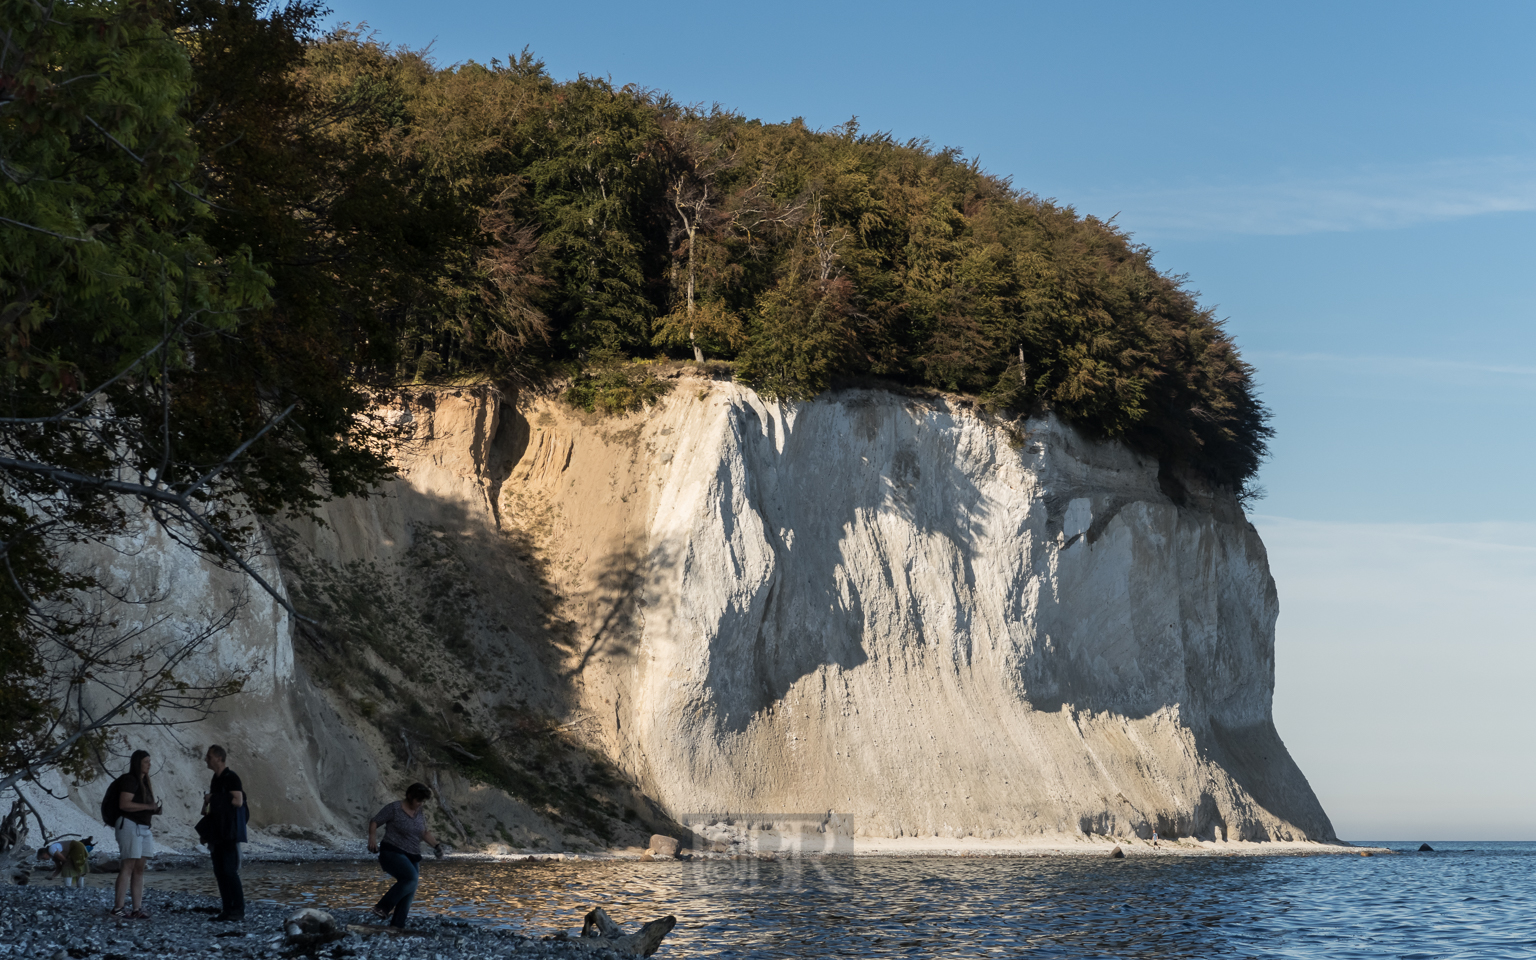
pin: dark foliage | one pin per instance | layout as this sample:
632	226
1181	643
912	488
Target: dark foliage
633	224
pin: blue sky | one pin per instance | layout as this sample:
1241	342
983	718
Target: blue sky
1353	185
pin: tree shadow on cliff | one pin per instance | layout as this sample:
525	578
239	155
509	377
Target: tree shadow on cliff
812	612
620	585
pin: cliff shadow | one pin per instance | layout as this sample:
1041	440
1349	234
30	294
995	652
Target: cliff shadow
451	639
1256	759
618	587
854	473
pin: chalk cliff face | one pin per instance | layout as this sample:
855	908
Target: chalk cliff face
874	605
890	608
289	746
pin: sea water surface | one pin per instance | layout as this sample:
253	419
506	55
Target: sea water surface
1465	900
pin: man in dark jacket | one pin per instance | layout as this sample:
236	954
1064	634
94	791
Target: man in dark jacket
223	829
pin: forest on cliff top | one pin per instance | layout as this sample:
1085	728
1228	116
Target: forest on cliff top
224	229
422	222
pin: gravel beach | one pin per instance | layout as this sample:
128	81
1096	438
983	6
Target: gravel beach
53	923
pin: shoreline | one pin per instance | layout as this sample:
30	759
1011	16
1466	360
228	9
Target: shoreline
1101	846
48	921
172	859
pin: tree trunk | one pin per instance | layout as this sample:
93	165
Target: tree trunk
698	355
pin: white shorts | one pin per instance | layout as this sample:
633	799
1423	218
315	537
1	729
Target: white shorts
134	840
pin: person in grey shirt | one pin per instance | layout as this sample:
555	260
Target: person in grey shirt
405	827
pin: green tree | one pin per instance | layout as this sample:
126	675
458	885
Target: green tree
804	331
108	294
595	190
303	152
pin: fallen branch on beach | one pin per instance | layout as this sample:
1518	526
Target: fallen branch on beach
600	933
307	930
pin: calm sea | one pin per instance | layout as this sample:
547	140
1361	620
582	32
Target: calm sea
1466	900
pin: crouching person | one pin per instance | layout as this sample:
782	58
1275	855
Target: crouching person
223	830
71	860
405	827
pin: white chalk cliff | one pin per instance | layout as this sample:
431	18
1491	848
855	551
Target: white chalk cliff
876	605
890	608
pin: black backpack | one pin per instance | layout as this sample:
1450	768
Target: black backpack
110	812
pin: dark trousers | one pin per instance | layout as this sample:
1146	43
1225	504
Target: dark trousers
226	870
406	875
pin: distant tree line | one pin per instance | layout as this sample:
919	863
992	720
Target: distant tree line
222	229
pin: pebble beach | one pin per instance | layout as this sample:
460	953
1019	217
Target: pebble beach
52	923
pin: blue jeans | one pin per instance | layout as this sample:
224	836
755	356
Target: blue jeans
406	875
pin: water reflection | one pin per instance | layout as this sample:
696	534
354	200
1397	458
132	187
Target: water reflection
1472	904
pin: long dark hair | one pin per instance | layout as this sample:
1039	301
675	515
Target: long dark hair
145	787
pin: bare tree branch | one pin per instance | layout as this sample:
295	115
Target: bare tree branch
50	233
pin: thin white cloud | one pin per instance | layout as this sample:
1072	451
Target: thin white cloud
1421	366
1367	537
1371	198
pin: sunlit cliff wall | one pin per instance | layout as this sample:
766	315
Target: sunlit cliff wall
889	607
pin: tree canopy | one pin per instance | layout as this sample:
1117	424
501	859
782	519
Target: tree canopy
630	226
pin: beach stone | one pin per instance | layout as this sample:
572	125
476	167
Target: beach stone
663	846
1426	848
1117	853
309	922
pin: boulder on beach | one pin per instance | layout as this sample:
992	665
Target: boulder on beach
1426	848
1117	853
663	846
310	928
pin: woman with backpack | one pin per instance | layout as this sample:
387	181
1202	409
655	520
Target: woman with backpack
131	797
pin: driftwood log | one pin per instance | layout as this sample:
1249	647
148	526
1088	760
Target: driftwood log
599	932
13	829
307	930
